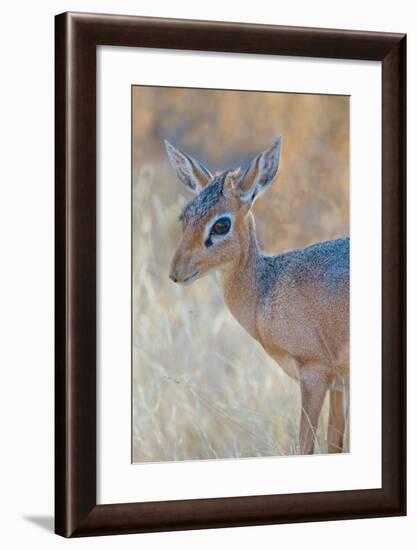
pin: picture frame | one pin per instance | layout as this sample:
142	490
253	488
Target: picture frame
77	35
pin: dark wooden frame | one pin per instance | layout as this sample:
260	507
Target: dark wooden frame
76	38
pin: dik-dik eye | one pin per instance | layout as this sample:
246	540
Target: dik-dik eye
221	227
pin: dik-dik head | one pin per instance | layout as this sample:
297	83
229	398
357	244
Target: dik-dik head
213	221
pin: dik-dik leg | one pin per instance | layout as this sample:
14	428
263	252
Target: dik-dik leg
336	427
314	382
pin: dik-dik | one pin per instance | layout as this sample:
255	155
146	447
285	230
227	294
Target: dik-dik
296	304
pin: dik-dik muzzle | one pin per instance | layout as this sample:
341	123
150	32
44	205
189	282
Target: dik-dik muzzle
183	267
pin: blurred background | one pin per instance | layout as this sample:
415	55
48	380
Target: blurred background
203	388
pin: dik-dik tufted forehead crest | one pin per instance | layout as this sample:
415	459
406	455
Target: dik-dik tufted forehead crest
209	197
246	184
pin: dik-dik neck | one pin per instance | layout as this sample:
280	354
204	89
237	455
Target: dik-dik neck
238	277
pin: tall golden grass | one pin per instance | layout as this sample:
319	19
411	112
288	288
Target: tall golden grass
203	388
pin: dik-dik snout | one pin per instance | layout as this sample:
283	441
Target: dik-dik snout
213	222
183	267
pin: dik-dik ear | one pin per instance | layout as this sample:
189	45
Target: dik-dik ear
191	172
259	173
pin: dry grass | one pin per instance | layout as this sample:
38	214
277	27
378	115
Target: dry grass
203	388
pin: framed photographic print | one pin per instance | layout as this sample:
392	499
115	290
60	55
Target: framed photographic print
230	274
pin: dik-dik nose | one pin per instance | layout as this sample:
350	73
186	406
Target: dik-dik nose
173	269
173	276
182	266
175	272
